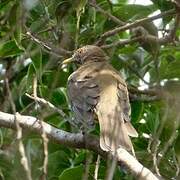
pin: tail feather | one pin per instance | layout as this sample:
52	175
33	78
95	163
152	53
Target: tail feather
123	138
114	134
131	130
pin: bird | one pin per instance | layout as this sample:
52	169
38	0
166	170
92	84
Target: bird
97	91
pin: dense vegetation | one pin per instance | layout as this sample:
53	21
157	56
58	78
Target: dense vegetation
36	35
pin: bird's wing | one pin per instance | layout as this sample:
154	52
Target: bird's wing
126	108
83	94
113	111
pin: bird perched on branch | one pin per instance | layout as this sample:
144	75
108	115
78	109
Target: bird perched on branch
96	89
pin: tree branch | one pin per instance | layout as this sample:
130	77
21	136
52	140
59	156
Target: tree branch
121	42
75	140
107	14
48	46
148	38
133	24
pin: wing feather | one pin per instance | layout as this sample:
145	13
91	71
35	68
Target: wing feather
126	108
83	95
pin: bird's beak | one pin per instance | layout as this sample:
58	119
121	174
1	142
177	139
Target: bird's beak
67	61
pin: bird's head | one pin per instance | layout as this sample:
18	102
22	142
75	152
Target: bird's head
86	54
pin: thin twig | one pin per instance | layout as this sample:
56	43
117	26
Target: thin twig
24	160
35	87
121	42
47	103
56	50
97	167
107	14
148	92
143	98
45	147
77	31
155	164
176	163
10	96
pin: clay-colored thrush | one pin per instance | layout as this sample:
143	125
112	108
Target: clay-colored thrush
96	88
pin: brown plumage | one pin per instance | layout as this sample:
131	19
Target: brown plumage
97	88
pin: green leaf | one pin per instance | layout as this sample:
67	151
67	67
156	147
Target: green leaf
137	110
59	96
133	11
80	158
57	162
74	173
4	4
172	70
170	66
10	48
152	119
37	62
80	5
30	76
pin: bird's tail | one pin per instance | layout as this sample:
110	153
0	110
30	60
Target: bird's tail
114	133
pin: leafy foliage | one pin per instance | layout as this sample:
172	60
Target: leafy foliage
71	24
